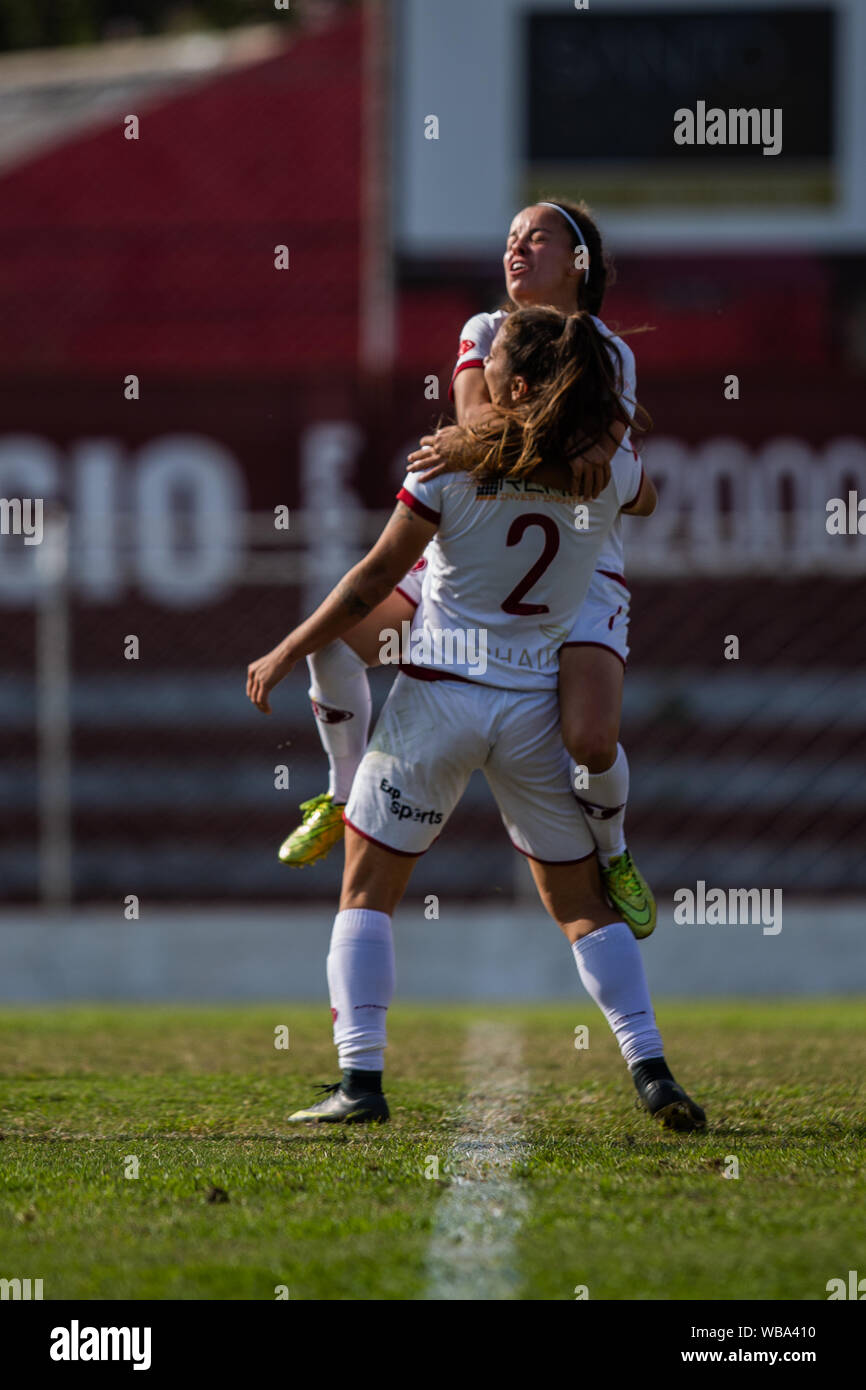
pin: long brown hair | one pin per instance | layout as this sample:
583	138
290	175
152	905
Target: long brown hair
574	375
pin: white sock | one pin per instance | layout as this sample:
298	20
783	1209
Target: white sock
611	971
361	985
603	804
340	693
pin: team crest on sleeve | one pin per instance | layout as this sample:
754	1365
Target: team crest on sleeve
466	345
419	565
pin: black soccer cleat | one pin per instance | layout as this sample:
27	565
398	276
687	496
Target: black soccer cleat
338	1107
665	1099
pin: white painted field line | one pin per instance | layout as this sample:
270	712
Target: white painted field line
472	1250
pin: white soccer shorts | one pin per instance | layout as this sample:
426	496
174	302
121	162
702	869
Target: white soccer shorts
432	735
602	620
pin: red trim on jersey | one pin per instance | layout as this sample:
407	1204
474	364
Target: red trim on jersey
553	862
639	486
407	597
411	501
424	673
603	645
461	367
609	574
403	853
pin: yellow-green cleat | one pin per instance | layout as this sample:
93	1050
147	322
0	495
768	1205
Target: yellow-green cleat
630	894
321	828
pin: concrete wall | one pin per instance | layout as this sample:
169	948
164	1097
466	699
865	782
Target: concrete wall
471	953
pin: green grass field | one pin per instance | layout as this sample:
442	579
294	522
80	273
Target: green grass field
198	1096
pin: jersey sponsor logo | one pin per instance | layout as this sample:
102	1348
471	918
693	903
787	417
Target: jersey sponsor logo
404	811
329	715
418	565
537	659
466	345
520	490
333	1013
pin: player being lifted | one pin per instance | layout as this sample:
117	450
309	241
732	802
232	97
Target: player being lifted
553	256
550	377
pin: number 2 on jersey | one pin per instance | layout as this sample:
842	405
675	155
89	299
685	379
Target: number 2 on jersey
513	604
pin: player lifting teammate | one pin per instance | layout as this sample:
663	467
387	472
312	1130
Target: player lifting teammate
553	256
550	377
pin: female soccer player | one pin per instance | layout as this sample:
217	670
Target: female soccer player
554	255
549	376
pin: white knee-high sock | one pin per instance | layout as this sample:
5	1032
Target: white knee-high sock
340	695
603	804
611	970
361	985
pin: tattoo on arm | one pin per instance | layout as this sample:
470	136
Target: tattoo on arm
404	514
353	602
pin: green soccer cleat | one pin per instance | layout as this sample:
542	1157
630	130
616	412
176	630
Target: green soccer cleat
321	828
630	894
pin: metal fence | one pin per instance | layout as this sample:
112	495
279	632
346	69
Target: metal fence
139	767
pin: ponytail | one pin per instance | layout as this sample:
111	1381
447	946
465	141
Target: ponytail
575	379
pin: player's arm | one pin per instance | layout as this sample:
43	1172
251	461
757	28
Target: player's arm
357	594
590	467
439	452
471	397
645	501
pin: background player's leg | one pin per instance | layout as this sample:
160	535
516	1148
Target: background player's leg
340	690
340	697
590	703
611	970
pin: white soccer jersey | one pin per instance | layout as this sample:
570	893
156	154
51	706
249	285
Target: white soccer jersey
507	570
476	340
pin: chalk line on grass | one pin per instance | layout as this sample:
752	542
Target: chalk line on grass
472	1250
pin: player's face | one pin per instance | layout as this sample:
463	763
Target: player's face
539	259
504	388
